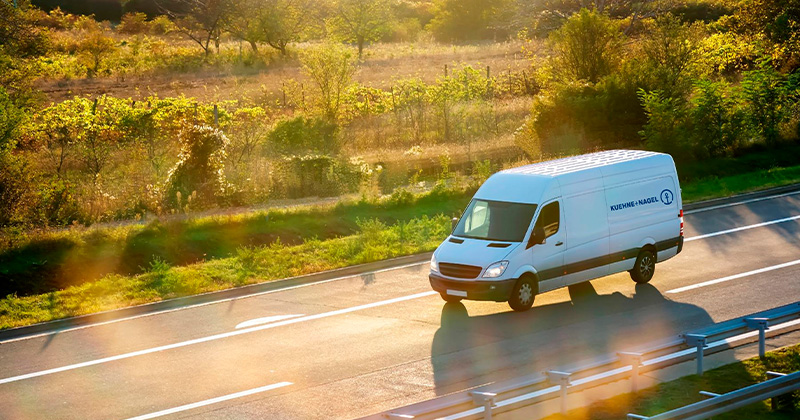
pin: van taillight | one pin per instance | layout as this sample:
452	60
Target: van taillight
681	216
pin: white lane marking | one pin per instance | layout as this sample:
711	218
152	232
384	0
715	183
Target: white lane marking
752	200
28	337
265	320
727	231
216	337
734	277
211	401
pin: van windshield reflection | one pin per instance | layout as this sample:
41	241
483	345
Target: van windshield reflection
495	221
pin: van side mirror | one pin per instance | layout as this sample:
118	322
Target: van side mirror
537	236
453	224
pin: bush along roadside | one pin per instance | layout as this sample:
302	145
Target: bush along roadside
375	241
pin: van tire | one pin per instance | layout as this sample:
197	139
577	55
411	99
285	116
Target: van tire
450	299
523	293
645	266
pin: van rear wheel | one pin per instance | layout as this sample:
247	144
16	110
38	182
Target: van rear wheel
523	294
645	267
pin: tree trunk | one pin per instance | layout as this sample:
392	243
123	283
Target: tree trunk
253	46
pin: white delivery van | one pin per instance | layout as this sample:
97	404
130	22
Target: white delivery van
539	227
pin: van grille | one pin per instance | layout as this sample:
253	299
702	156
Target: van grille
460	271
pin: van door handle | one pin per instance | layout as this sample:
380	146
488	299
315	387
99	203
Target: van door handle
559	243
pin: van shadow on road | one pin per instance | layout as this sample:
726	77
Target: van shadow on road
469	351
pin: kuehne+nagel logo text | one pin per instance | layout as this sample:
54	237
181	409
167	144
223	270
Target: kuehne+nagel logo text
636	203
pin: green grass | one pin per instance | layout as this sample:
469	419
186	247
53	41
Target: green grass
53	261
685	391
375	241
714	187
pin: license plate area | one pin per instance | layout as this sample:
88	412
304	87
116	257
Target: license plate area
459	293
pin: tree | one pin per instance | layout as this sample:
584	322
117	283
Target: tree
670	48
243	21
331	68
285	21
95	48
548	15
767	94
464	20
775	24
21	42
587	46
361	21
200	20
273	22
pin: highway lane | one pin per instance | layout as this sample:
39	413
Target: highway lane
347	356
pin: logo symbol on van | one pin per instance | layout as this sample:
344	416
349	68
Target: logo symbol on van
667	197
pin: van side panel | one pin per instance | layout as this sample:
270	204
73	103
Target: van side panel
587	232
643	209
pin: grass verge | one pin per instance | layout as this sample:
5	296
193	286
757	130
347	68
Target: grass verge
375	241
684	391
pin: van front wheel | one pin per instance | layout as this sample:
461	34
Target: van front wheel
645	267
522	294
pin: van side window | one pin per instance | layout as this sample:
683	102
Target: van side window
549	219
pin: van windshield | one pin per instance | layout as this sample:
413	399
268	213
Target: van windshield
495	221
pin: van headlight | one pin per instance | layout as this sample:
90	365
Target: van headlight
434	264
495	270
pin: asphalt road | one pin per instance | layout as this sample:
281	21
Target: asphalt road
355	346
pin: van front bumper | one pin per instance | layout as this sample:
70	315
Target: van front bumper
497	291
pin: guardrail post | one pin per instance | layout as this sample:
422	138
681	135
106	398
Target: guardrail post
760	324
485	399
635	360
699	341
561	379
779	401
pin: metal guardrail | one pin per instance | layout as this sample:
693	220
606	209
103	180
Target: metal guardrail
782	384
484	401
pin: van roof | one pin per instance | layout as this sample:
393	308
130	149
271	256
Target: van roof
531	183
579	163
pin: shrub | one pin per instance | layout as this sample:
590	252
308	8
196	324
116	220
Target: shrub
198	176
133	23
314	175
15	185
665	130
716	118
301	135
767	94
580	117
